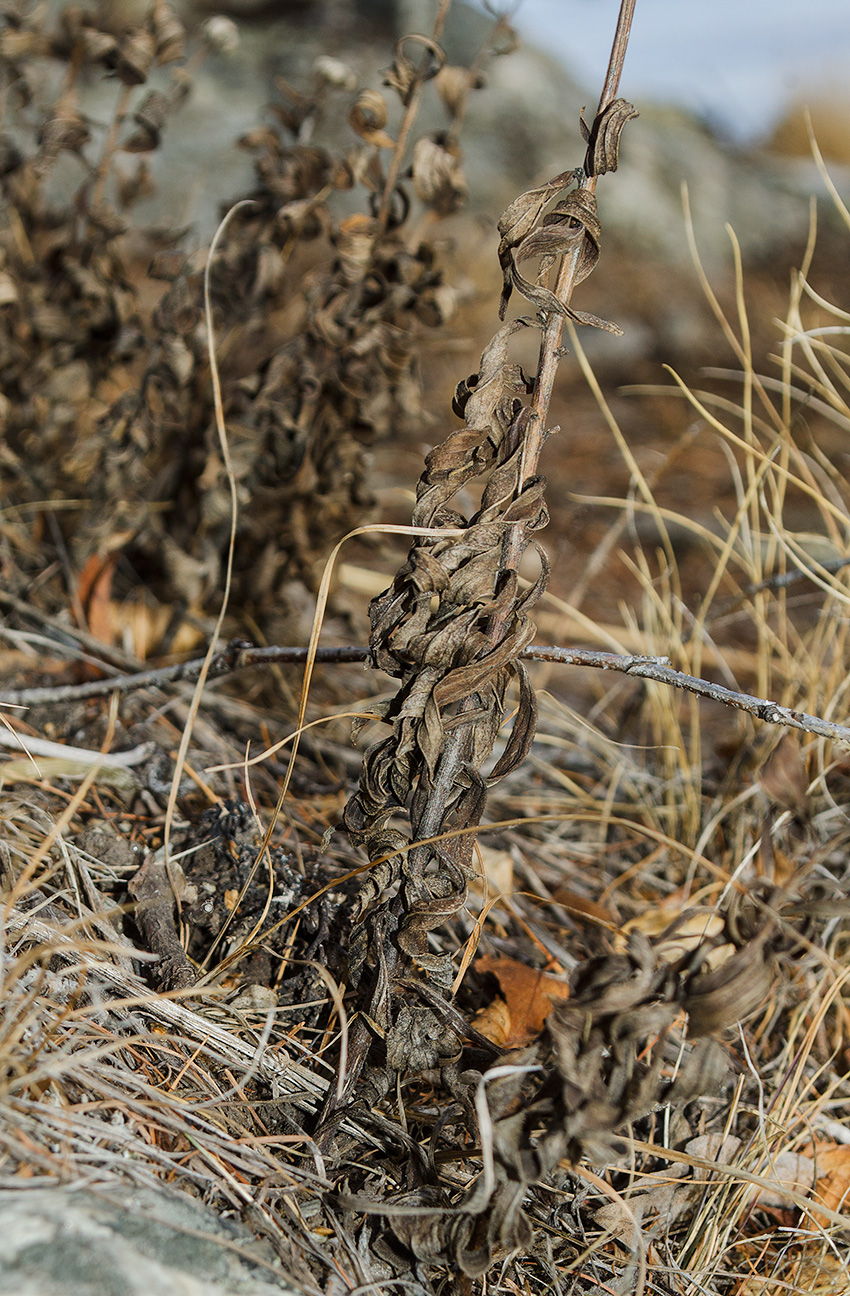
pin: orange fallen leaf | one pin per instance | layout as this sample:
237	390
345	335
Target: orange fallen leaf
529	996
93	590
832	1190
494	1021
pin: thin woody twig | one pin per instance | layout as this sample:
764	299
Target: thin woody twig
656	669
238	655
550	347
410	114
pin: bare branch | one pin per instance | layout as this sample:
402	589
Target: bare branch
240	656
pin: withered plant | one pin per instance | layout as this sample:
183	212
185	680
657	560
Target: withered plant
321	292
452	628
326	1078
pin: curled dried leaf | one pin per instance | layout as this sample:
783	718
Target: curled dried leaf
603	137
133	57
168	264
520	216
572	228
368	117
65	131
437	175
355	242
727	994
168	32
303	218
454	82
98	46
404	74
150	118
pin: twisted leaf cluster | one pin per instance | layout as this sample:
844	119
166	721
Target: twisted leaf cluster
453	623
611	1054
320	297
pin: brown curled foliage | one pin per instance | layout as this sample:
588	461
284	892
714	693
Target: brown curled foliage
319	304
612	1052
454	622
450	629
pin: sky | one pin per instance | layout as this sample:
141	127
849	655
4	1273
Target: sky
737	63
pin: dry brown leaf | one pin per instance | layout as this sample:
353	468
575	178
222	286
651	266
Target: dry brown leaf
132	60
603	138
167	31
368	117
688	929
405	73
437	175
93	589
454	84
832	1163
529	994
494	1021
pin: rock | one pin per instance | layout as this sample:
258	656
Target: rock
133	1242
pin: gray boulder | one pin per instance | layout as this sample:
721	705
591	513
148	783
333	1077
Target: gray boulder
133	1242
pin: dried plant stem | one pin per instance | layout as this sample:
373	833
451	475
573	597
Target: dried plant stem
553	333
410	114
101	175
534	431
533	435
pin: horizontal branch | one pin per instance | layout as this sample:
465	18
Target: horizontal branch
239	656
659	671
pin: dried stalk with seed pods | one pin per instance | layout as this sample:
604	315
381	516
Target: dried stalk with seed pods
454	623
452	629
